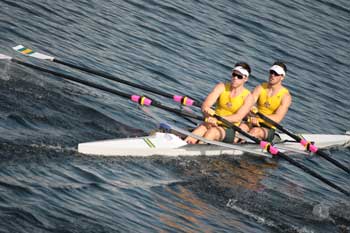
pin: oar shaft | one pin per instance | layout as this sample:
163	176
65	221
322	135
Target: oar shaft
314	174
185	100
106	89
114	78
299	139
280	127
335	162
117	79
72	78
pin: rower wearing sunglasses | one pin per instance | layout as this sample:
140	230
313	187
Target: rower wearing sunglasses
232	101
273	100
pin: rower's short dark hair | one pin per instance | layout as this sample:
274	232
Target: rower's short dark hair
281	64
244	65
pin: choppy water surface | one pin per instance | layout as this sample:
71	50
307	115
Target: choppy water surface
180	47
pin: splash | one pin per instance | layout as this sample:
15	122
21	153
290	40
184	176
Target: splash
231	204
321	211
4	71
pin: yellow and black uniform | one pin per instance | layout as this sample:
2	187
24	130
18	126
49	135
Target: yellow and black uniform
268	105
227	105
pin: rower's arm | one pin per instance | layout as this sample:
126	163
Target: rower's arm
256	93
212	98
282	109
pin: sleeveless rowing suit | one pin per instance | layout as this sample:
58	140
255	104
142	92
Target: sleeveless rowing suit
227	105
268	105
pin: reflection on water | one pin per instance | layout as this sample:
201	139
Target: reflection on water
245	172
185	206
187	211
181	47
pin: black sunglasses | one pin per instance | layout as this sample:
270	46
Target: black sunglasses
272	72
239	76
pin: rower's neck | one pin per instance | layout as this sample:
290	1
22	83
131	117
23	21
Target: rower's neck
275	87
236	90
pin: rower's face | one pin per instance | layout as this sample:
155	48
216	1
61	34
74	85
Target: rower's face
275	78
237	79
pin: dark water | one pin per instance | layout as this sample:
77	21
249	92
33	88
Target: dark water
181	47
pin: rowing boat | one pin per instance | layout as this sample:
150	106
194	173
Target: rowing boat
168	144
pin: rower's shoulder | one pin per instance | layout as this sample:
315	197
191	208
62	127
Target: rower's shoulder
285	90
218	89
287	97
246	91
259	87
220	86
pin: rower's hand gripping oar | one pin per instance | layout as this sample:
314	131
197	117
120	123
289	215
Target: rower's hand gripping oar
309	146
274	151
184	100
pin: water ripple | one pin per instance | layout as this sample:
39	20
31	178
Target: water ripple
180	47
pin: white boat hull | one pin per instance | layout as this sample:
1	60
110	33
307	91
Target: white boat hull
167	144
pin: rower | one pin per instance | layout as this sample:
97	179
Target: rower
233	102
272	100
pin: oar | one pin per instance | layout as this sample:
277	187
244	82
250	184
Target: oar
308	145
185	100
274	151
146	101
142	100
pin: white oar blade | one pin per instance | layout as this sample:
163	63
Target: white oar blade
5	57
31	53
